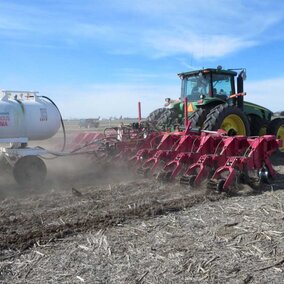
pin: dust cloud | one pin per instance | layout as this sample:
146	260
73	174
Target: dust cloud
65	173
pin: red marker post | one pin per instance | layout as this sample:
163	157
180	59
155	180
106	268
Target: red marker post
185	112
139	112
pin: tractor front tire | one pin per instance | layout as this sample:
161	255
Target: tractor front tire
258	125
168	120
229	118
154	116
276	127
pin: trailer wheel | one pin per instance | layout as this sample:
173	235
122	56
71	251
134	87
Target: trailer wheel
276	127
30	171
229	118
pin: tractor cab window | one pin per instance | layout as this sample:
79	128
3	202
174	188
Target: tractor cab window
194	86
222	86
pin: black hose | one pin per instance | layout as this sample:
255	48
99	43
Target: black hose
62	123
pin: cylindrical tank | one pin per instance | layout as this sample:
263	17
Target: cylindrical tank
24	114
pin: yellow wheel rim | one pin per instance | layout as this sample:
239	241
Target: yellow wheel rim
280	135
262	130
233	125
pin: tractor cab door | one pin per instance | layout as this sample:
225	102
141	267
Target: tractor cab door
194	86
222	86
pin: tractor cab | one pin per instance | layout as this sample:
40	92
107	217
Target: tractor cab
207	83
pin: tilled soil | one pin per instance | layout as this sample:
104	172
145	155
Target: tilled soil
142	232
47	217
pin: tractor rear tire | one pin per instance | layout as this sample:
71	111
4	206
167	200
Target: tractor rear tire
276	127
258	125
229	118
197	118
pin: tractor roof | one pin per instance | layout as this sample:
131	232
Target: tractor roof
209	70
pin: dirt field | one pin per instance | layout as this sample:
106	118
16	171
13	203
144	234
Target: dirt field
94	225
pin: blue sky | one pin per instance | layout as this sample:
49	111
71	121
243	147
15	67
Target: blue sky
100	57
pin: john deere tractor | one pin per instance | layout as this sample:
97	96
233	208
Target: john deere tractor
216	101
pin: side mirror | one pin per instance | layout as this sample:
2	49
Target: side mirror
244	74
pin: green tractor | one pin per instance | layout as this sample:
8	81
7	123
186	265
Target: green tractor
216	101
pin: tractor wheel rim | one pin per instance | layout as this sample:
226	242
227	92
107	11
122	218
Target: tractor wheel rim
262	130
280	135
234	124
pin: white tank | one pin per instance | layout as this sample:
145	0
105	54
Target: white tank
24	114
